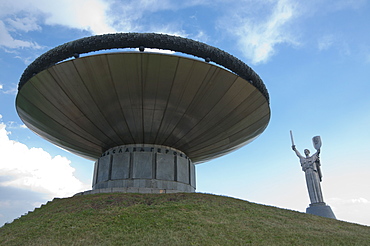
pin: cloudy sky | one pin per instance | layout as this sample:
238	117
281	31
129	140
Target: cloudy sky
314	57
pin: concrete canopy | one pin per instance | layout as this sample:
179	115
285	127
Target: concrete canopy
95	103
91	104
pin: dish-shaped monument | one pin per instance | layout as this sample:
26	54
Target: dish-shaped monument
145	118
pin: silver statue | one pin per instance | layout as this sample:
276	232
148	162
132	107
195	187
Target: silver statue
311	166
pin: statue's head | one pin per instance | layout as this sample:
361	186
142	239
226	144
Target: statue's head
306	152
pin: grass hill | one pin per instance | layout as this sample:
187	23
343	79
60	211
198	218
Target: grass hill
174	219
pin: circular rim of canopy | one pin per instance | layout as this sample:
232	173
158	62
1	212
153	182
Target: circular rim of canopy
142	41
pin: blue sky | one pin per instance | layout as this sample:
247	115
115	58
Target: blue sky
314	57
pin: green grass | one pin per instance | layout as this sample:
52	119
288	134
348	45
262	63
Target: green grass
174	219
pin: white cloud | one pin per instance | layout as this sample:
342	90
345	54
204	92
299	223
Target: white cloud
36	170
314	7
126	17
95	16
12	90
201	36
258	37
345	4
8	41
132	16
337	42
352	210
360	200
25	24
350	201
14	125
326	42
25	60
90	15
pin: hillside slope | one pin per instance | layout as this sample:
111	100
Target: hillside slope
174	219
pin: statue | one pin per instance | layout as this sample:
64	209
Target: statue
311	166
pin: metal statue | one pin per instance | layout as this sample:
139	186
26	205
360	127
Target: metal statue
311	166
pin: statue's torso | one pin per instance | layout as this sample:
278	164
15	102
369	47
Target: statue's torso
308	163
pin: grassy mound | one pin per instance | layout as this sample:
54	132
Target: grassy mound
174	219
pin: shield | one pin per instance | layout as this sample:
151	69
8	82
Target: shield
316	142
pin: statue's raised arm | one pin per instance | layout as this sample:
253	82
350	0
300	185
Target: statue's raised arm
293	145
297	152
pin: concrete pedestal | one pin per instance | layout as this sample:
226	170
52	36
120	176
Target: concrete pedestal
143	169
320	209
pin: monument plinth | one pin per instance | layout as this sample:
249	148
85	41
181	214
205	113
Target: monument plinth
320	209
144	118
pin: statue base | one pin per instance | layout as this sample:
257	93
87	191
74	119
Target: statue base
320	209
